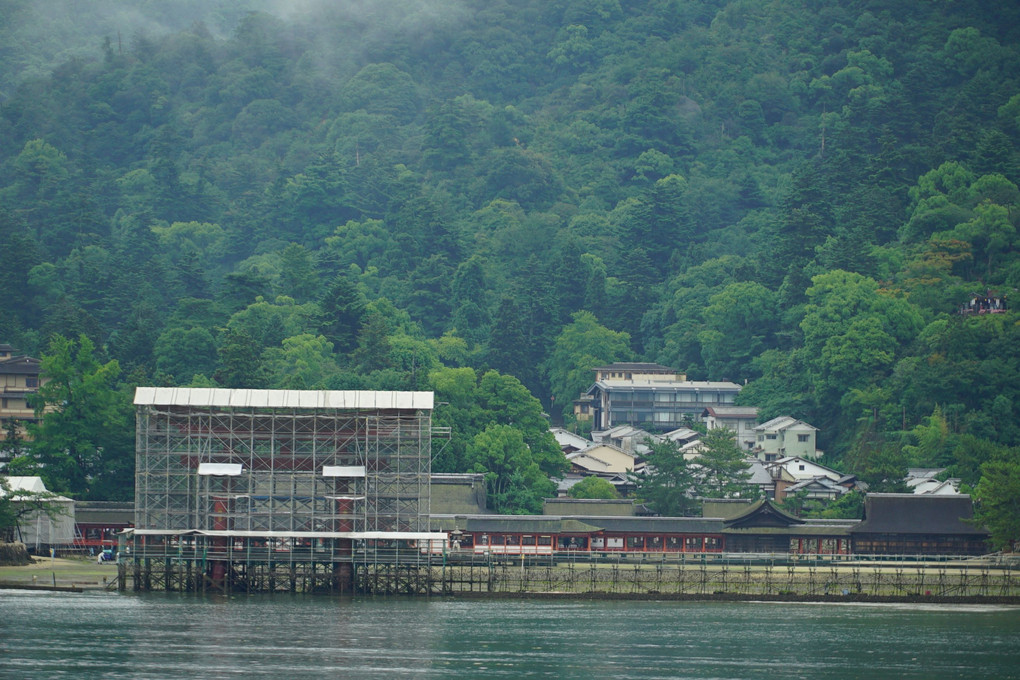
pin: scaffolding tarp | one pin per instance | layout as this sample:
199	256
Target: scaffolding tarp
300	399
341	464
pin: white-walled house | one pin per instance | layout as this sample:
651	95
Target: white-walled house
795	473
784	437
801	468
741	419
924	481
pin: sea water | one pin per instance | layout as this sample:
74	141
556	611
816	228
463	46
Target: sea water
106	635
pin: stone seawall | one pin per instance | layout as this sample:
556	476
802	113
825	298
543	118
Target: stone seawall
861	580
855	581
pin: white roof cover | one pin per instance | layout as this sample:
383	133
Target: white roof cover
29	484
324	399
24	486
343	471
222	469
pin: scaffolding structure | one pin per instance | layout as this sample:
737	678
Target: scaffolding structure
232	484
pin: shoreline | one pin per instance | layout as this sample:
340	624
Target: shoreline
28	586
997	600
742	597
59	574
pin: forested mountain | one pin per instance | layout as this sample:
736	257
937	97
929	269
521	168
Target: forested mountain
797	194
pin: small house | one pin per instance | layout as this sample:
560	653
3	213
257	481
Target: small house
741	419
783	437
601	459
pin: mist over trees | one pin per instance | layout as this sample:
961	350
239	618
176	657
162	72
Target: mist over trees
370	195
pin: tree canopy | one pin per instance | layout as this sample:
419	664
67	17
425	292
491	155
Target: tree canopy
799	195
83	443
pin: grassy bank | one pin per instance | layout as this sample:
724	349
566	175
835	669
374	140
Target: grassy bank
84	573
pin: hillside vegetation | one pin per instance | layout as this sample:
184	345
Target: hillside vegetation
384	195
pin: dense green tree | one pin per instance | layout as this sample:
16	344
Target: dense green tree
661	221
720	470
456	408
507	349
593	487
581	346
17	258
381	88
302	362
268	323
373	350
470	305
183	352
518	496
510	402
298	278
523	176
740	323
500	453
469	404
343	311
668	482
83	442
13	442
240	361
998	500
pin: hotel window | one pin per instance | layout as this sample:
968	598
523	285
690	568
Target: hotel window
31	382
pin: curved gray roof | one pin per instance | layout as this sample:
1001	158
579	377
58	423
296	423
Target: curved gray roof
906	513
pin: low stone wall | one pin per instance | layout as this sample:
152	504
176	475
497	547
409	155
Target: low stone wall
14	555
957	581
855	581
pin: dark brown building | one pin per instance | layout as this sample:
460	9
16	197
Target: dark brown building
909	524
